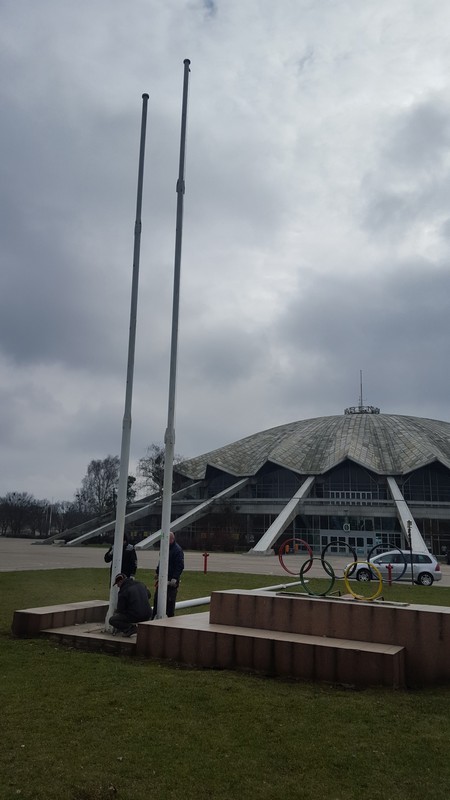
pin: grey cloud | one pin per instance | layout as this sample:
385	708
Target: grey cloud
222	357
395	326
421	137
409	179
56	238
211	7
306	60
292	278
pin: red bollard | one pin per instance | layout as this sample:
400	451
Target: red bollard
389	569
205	562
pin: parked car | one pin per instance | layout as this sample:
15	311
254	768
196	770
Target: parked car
426	568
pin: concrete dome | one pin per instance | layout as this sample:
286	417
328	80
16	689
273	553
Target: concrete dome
387	444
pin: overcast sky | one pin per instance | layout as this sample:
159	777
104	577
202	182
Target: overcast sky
316	234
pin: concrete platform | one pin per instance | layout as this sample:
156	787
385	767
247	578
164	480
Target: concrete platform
196	641
337	640
423	631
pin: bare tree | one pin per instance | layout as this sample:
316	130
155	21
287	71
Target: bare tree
21	513
18	510
39	516
66	514
4	516
99	486
131	490
151	469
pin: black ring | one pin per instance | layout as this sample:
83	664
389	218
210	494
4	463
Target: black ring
352	550
386	550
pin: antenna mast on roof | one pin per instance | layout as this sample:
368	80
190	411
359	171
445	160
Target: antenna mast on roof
361	408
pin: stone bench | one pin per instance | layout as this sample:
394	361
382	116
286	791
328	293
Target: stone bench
31	621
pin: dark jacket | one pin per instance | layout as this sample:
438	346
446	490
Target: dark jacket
129	559
133	600
176	562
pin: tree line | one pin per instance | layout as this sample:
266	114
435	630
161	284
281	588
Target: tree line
21	513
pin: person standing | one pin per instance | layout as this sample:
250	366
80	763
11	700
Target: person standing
133	605
129	558
176	567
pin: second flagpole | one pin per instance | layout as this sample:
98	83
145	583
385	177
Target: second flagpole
169	439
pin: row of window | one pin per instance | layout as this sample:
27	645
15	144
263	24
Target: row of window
347	482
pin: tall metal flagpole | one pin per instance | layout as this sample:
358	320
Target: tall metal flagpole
169	439
126	425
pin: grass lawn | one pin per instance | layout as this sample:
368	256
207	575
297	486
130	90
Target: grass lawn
88	726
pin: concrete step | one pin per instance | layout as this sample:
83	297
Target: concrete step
92	636
194	641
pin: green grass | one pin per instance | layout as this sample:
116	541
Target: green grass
89	726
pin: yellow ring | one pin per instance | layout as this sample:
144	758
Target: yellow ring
361	596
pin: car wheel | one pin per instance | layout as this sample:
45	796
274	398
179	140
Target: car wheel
363	575
425	579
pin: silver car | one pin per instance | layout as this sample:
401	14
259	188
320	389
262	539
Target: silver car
426	569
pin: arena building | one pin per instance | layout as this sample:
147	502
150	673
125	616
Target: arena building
357	480
350	481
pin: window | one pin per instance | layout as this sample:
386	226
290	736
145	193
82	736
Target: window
420	558
393	558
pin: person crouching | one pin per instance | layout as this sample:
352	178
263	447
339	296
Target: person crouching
133	605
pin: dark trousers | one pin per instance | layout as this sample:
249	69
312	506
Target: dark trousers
121	621
171	600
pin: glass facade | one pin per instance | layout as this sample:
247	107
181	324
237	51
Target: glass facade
430	484
348	482
348	508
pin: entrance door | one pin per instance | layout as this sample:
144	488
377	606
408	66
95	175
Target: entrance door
338	543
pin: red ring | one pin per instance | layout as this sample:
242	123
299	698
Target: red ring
283	547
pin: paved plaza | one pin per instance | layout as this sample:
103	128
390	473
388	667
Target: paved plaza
26	554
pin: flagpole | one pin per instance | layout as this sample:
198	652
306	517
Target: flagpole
169	439
126	425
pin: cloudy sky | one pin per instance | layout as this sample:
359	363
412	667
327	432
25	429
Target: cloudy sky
316	233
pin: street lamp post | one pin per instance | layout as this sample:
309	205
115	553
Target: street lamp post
408	525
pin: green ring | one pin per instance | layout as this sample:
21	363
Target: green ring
328	568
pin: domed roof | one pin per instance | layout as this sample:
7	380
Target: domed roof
387	444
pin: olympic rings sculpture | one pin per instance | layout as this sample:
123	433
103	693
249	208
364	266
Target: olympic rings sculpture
294	544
